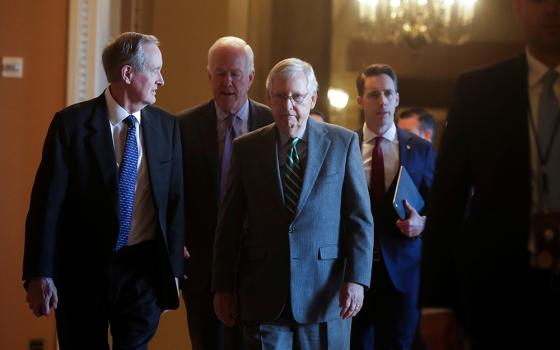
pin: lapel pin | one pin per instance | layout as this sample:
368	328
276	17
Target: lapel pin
408	147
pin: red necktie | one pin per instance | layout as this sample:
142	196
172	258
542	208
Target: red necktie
377	181
377	186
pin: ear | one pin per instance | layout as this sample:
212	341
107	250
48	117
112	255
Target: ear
209	74
127	73
313	100
397	99
360	101
251	77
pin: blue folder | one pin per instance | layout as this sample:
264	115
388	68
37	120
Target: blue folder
406	189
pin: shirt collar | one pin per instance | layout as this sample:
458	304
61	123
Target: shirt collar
389	135
116	113
537	69
242	114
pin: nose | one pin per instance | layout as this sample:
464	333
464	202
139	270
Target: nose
289	103
160	80
227	79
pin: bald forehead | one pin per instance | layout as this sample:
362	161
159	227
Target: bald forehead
227	53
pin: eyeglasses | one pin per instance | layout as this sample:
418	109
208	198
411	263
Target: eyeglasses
295	98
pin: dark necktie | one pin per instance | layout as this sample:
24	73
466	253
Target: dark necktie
377	186
127	182
549	139
231	134
377	181
292	177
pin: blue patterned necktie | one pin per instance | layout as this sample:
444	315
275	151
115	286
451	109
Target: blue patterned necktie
292	177
231	134
549	139
127	182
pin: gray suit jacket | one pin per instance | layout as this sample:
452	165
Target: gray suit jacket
269	258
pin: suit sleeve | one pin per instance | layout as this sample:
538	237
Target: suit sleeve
229	228
175	211
448	203
357	219
47	199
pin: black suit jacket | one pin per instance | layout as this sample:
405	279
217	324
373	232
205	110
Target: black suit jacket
72	224
477	252
202	174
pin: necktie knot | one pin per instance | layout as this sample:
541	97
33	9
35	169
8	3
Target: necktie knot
130	121
378	140
293	142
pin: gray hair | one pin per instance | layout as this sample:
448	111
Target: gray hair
287	68
232	41
127	48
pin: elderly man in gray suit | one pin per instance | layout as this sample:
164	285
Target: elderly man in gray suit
294	241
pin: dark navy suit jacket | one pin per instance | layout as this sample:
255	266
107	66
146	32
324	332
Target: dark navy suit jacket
400	253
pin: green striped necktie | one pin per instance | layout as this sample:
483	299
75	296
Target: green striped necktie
292	177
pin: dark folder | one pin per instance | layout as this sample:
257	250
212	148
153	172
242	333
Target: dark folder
406	189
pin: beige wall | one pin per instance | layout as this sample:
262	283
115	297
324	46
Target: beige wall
36	31
186	30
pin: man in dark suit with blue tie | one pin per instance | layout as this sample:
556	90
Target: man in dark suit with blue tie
207	133
294	241
104	232
390	314
491	262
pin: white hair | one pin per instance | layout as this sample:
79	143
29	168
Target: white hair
288	68
232	41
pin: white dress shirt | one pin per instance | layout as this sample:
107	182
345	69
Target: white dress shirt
390	149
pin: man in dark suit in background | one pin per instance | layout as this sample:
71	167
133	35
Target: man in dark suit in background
418	121
502	144
104	232
207	132
294	239
390	311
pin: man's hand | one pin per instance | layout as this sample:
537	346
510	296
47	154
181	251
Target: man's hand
41	296
440	330
225	307
414	224
351	299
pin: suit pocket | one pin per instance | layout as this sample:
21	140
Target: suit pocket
328	252
165	162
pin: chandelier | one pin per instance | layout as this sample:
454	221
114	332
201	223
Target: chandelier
416	22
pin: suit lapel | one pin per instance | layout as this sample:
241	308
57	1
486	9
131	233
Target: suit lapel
103	149
269	161
317	147
154	154
405	147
